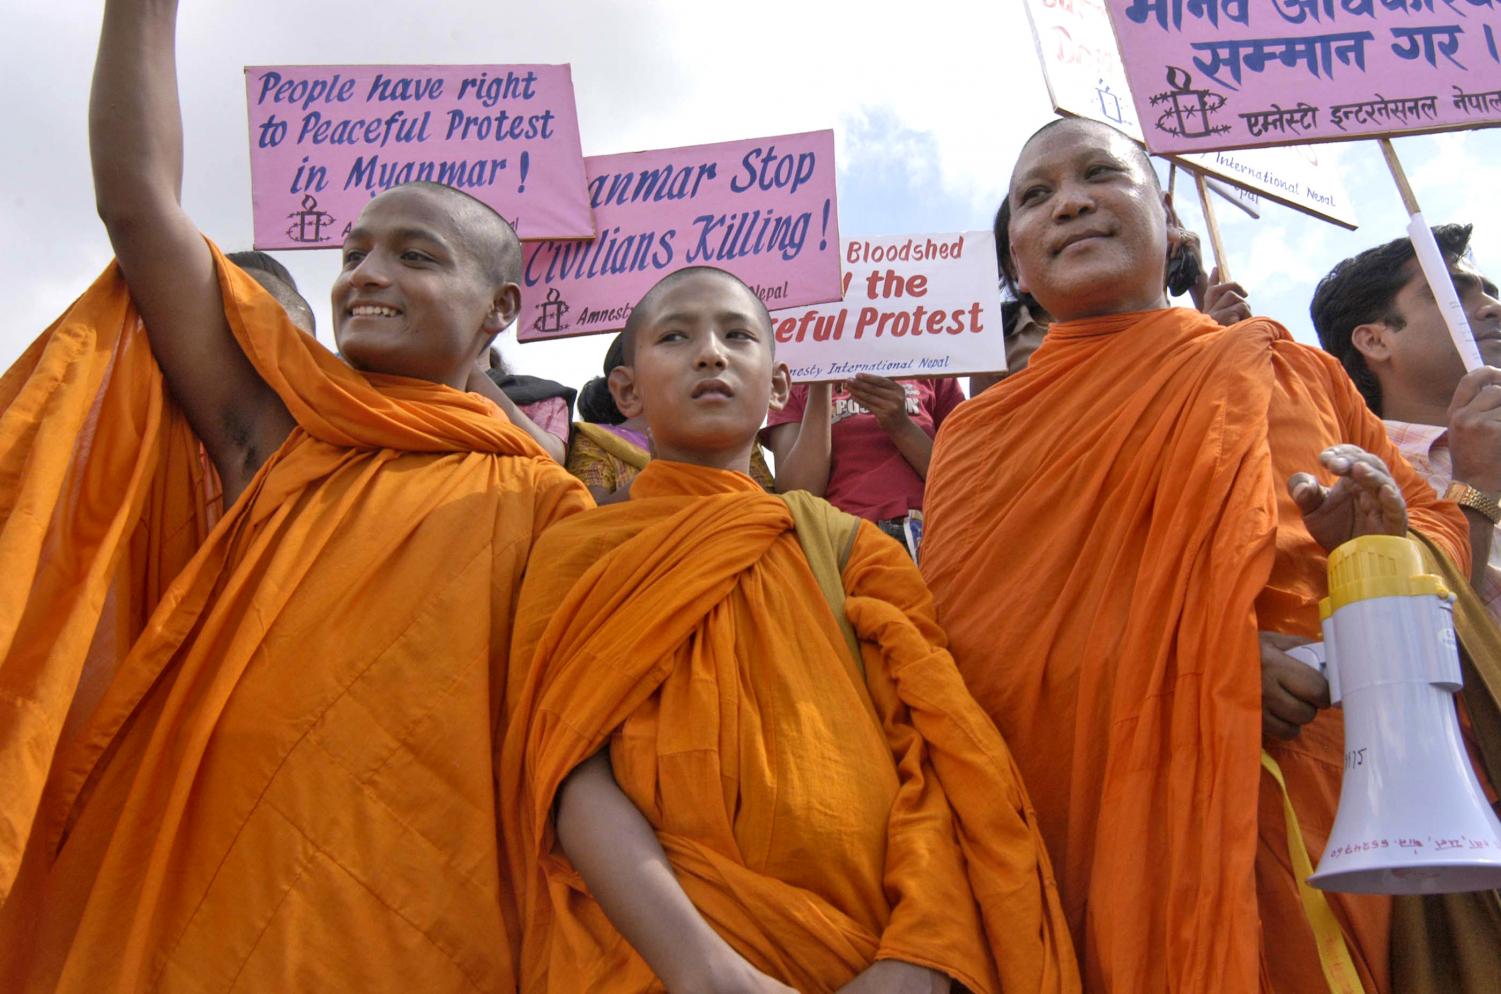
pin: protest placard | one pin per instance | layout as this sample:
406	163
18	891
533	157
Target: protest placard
1085	78
914	305
763	209
1219	74
324	140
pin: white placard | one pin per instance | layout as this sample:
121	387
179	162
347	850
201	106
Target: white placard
914	305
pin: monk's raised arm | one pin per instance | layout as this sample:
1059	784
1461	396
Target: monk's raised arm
135	141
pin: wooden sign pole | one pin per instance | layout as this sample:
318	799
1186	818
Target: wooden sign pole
1404	188
1435	267
1213	224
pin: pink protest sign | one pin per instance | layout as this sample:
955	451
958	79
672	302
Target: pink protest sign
764	209
324	140
1220	74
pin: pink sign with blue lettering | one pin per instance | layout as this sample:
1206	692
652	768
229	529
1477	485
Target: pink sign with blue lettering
324	140
1221	74
763	209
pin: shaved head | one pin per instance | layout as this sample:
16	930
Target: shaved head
1002	225
1110	133
487	236
641	313
446	269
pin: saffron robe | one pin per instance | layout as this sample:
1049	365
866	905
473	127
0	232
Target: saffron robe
1107	532
819	818
256	757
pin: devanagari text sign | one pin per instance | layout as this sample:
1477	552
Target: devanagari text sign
914	305
763	209
1220	74
1085	78
324	140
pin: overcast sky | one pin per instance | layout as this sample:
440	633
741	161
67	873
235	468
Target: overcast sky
929	102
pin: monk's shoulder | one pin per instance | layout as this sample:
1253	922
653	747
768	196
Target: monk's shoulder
1241	345
550	478
973	418
1308	358
1311	366
572	545
537	470
553	492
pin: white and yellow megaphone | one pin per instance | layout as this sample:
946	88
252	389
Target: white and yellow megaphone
1412	818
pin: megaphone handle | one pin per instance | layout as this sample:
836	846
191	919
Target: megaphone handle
1334	956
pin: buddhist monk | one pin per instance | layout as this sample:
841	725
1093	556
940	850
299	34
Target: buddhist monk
739	757
1109	530
258	755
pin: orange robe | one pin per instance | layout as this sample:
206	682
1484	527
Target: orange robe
819	820
1107	531
257	757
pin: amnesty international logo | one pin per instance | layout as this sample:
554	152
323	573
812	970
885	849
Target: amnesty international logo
550	320
1189	112
308	224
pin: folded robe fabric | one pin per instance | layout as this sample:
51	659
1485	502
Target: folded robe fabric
1107	531
278	769
816	819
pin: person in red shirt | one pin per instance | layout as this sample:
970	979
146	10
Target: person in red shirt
863	445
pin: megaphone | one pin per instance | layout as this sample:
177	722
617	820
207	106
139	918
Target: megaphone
1412	818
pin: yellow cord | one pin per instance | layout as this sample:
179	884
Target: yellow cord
1334	957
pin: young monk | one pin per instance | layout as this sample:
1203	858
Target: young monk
609	449
710	789
258	758
1109	530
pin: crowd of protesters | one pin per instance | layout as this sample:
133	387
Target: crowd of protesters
374	669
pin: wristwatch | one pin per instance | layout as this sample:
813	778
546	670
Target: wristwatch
1476	500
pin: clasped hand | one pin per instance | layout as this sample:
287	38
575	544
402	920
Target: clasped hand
1364	500
1292	693
885	399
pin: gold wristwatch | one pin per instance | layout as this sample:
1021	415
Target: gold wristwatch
1476	500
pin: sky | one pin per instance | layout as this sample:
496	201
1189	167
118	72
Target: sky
929	104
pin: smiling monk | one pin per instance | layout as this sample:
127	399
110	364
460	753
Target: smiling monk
739	757
258	756
1108	531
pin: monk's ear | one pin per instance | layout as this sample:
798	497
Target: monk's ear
781	386
1373	341
504	306
622	383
